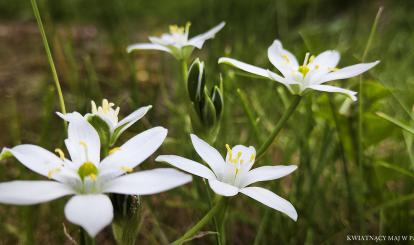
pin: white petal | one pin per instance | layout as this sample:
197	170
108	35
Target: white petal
282	59
147	182
266	173
91	212
82	135
328	59
252	69
222	188
135	150
332	89
32	192
187	165
133	117
210	155
36	158
147	46
271	200
349	71
199	40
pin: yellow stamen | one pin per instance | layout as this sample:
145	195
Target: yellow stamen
311	58
333	69
252	157
60	153
113	150
93	108
174	29
52	172
126	169
229	152
286	58
85	147
93	177
303	69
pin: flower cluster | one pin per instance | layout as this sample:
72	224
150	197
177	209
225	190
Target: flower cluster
95	166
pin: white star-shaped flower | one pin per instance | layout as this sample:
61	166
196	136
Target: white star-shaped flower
234	174
311	75
87	177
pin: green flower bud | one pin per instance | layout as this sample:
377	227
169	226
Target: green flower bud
196	81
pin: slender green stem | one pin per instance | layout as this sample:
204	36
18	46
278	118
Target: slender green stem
279	126
361	94
84	238
193	231
184	71
49	57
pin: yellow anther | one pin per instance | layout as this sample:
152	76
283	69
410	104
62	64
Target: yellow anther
229	152
252	157
333	69
93	107
187	27
174	29
60	153
83	144
113	150
311	58
126	169
52	172
93	177
286	58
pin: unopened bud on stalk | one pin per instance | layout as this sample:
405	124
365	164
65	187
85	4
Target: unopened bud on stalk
207	105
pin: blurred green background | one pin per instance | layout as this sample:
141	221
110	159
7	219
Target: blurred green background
334	194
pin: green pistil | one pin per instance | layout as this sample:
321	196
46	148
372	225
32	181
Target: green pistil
88	169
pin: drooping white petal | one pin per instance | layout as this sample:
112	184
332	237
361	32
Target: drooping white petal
222	188
36	158
92	212
349	71
133	117
252	69
32	192
83	141
326	60
187	165
282	59
147	182
332	89
271	200
147	46
210	155
266	173
135	150
199	40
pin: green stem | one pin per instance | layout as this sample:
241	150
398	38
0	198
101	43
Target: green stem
279	126
191	232
184	72
84	238
361	94
49	57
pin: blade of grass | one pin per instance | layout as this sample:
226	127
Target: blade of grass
396	122
247	109
395	168
49	57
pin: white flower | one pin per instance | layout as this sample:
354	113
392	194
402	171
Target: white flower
310	75
87	177
233	175
177	42
109	115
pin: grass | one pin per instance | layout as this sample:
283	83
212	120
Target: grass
334	196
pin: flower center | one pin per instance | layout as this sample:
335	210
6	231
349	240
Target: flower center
106	110
304	69
180	30
88	169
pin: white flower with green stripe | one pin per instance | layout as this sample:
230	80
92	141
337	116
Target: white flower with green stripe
311	75
228	177
86	176
105	119
177	42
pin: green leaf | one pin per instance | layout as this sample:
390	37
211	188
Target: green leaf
101	127
395	122
209	112
396	168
